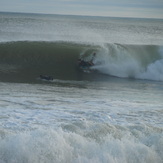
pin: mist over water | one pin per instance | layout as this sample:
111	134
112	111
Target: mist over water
113	114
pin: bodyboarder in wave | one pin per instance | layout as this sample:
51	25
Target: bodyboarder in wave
81	62
85	65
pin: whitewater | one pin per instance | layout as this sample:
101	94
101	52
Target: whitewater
113	114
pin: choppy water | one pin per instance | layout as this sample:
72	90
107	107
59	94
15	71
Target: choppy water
111	115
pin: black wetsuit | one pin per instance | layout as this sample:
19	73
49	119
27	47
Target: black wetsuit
85	64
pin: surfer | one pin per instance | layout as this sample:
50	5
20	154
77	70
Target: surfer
85	66
45	77
83	63
91	61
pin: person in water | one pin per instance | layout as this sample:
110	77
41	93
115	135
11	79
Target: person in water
93	57
82	62
85	63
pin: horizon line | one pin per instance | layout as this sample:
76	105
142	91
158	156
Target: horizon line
103	16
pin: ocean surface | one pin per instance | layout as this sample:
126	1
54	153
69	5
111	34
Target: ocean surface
112	114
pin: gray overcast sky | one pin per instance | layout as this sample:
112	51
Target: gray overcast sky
117	8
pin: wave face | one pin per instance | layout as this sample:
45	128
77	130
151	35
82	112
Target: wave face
25	61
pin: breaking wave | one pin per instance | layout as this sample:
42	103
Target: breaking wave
131	61
25	60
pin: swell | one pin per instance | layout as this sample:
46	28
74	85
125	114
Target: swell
24	61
